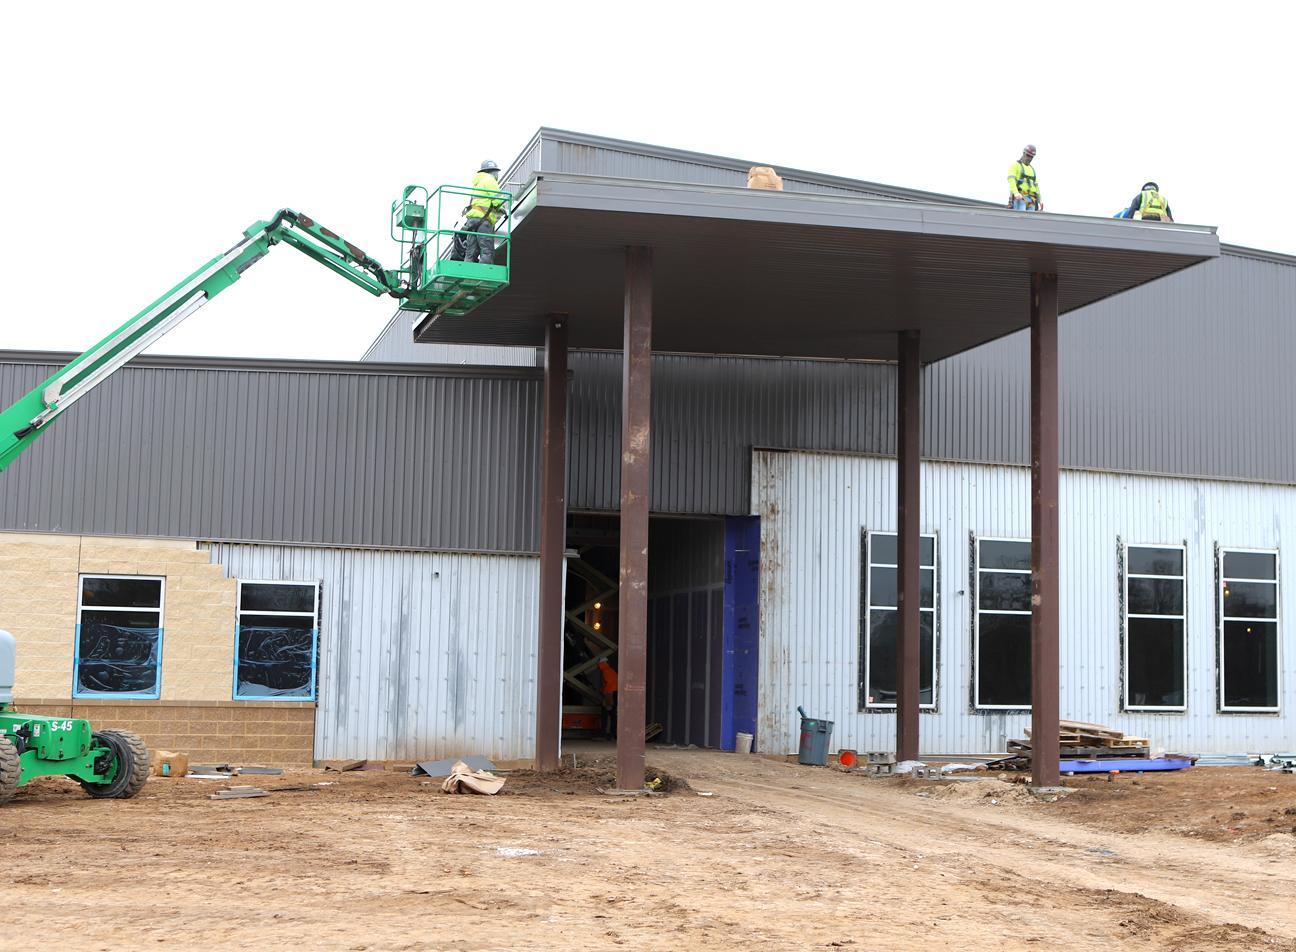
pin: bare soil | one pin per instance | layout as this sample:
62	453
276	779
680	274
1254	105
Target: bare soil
744	853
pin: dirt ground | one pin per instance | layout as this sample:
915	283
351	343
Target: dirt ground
776	856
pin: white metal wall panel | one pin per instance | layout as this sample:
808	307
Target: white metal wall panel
813	508
422	655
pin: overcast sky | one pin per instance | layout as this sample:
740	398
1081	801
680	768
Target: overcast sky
141	139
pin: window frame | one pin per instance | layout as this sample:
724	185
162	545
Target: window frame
976	620
315	629
1220	619
866	628
1126	575
156	693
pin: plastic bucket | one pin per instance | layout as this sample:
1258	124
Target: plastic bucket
742	743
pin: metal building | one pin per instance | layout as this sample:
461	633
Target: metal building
408	486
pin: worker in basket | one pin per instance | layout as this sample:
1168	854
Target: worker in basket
1023	185
480	216
1150	205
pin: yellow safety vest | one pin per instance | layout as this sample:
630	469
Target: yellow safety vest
1021	178
485	205
1152	203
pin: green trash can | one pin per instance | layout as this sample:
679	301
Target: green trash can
815	735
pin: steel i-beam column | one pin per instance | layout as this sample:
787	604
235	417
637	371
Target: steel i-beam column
632	602
908	582
553	539
1045	584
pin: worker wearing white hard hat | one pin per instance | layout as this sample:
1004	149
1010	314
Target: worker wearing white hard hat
1023	184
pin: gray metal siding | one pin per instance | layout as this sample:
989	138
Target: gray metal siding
406	460
707	415
421	655
1188	375
814	507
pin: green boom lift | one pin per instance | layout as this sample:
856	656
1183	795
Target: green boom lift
116	763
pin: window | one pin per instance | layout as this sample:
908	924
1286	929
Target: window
881	622
1155	649
274	654
118	637
1248	631
1003	624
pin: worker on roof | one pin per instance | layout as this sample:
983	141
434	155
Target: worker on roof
1150	205
480	216
609	698
1023	185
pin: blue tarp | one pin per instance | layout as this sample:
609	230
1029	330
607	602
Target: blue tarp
1123	764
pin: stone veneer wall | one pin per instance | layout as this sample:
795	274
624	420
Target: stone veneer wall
39	588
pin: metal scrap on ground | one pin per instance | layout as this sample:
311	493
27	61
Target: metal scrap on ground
445	767
238	793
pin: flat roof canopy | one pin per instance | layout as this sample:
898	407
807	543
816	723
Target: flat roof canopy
795	274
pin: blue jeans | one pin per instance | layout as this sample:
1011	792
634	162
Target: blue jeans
1020	205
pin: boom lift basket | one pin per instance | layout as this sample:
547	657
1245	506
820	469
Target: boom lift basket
428	226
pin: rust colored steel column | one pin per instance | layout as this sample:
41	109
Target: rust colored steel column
1045	584
553	539
908	583
632	602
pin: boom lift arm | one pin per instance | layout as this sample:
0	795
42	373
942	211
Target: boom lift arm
428	284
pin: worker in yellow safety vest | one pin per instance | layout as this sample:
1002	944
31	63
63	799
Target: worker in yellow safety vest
1150	204
1023	185
480	217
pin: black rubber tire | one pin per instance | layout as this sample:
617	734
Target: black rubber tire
9	769
132	766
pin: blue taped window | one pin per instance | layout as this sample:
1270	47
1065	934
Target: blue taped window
276	642
118	637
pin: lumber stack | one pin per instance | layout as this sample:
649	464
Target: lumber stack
1080	741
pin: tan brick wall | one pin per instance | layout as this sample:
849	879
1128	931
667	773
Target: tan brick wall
38	599
38	595
198	619
237	732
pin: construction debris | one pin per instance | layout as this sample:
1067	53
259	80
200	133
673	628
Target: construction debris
344	765
168	763
238	793
1093	748
463	779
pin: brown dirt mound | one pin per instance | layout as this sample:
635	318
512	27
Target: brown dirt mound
586	779
981	790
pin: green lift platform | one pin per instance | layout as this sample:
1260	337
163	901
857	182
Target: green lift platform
433	278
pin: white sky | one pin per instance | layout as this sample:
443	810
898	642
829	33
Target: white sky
142	138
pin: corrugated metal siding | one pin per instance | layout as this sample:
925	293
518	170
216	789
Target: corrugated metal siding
707	415
395	344
813	508
1188	375
405	460
422	655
